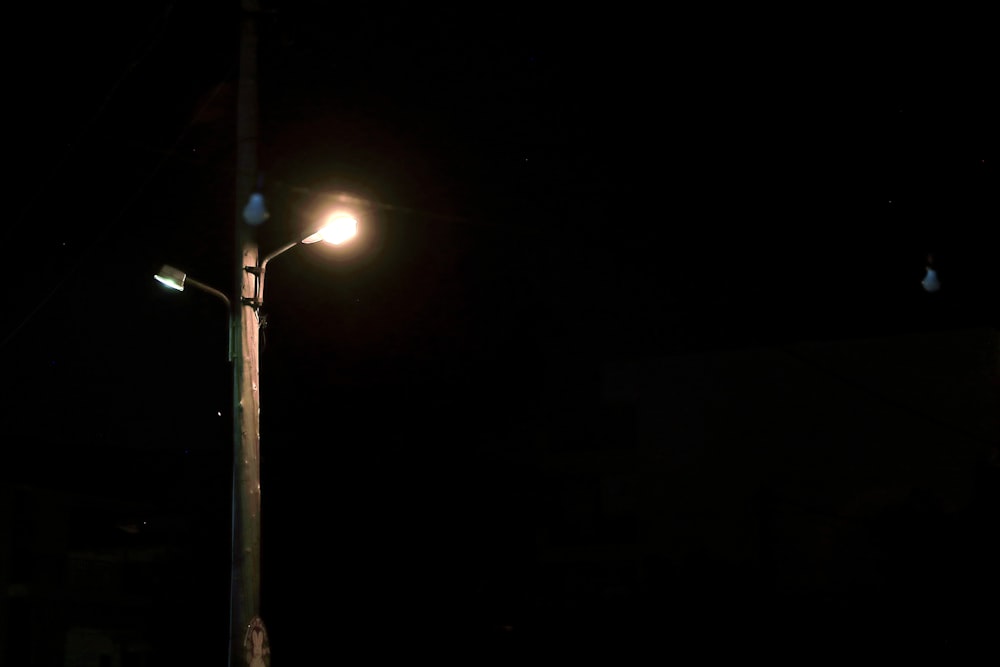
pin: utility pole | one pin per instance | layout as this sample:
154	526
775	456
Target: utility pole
247	634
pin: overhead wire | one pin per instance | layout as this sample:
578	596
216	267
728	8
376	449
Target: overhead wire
88	125
78	262
920	413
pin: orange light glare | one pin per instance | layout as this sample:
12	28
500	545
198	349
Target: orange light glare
339	227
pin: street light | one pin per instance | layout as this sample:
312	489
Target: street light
176	279
339	227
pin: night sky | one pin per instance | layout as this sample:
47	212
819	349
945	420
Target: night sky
545	190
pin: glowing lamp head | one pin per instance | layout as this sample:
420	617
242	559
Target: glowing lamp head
339	227
171	277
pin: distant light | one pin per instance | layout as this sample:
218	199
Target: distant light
219	413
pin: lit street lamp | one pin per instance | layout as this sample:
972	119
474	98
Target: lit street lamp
339	227
177	279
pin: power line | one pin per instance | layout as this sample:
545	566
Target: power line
60	163
112	221
921	414
88	126
395	208
339	196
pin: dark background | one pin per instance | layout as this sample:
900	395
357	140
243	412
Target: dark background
546	189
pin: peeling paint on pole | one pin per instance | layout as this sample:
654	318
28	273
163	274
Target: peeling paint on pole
256	647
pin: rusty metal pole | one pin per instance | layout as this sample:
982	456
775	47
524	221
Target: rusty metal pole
246	543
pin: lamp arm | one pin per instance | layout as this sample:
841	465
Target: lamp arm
259	270
225	299
205	288
268	258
